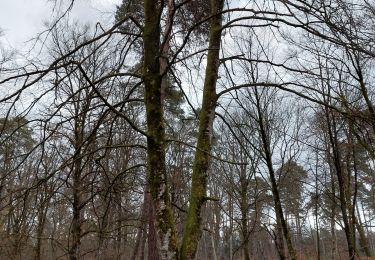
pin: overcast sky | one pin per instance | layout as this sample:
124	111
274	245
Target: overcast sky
20	20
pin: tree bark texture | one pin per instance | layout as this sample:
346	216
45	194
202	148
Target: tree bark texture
157	175
274	186
193	223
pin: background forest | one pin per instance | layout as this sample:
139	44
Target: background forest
186	129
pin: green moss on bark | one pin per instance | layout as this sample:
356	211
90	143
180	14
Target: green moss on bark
198	193
157	175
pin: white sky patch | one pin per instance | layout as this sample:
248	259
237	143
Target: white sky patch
21	20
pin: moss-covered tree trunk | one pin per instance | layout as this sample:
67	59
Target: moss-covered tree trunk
157	176
192	227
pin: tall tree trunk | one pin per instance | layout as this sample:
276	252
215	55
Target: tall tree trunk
157	175
299	243
362	237
343	185
332	221
274	186
42	215
332	215
76	221
279	239
192	227
119	217
76	231
316	210
152	238
244	222
356	220
80	112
